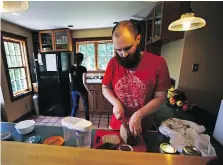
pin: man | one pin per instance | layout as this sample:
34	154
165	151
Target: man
134	83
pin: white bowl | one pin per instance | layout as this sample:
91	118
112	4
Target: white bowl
25	127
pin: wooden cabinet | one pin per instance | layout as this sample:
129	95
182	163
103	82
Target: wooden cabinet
98	103
55	40
63	40
90	103
158	20
149	28
46	39
101	105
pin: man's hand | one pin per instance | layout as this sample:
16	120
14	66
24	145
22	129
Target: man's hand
135	123
118	111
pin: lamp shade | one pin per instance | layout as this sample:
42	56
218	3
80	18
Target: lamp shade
187	22
14	6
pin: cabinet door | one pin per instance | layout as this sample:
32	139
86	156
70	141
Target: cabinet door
63	40
109	107
81	106
149	28
46	39
157	25
90	103
100	103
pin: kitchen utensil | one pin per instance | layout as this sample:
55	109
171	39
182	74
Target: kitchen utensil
25	127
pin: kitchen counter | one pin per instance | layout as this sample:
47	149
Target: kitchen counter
94	81
152	138
21	153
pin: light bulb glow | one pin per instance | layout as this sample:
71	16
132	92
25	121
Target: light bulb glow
1	5
186	25
15	14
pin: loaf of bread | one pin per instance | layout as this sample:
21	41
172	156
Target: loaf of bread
114	139
126	135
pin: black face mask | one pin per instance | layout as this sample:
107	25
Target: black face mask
131	61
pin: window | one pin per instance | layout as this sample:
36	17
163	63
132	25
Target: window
17	68
97	54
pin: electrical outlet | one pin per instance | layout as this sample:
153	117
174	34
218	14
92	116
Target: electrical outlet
195	67
26	107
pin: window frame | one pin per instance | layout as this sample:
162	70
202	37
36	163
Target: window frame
96	42
23	93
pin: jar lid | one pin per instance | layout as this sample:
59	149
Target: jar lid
5	135
33	139
167	148
188	150
76	123
54	140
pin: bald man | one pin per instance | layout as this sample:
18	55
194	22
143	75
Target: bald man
135	82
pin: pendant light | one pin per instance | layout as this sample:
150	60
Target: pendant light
187	22
14	6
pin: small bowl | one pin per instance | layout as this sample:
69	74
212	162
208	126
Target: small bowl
6	136
125	147
25	127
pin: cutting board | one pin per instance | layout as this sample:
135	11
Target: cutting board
141	147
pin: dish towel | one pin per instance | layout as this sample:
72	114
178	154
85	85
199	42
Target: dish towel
186	133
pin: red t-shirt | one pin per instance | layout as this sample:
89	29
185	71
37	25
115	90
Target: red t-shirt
135	89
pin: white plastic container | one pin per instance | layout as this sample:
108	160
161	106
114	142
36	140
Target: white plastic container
77	131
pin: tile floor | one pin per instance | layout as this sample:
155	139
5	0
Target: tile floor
98	120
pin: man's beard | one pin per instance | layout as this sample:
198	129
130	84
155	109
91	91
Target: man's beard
131	61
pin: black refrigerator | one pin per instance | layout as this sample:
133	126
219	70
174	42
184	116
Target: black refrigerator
52	70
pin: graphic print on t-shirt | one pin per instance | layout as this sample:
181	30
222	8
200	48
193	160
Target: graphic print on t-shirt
131	91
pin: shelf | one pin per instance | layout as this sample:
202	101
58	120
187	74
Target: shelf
47	44
61	43
158	17
149	42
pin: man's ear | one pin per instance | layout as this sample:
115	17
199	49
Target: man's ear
138	38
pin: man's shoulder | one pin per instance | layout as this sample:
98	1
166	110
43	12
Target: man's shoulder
153	57
113	62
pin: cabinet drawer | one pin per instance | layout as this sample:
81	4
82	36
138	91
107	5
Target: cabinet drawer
95	87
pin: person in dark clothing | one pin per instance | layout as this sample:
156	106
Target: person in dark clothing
79	87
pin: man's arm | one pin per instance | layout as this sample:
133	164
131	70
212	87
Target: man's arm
151	107
109	95
117	106
162	85
154	104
